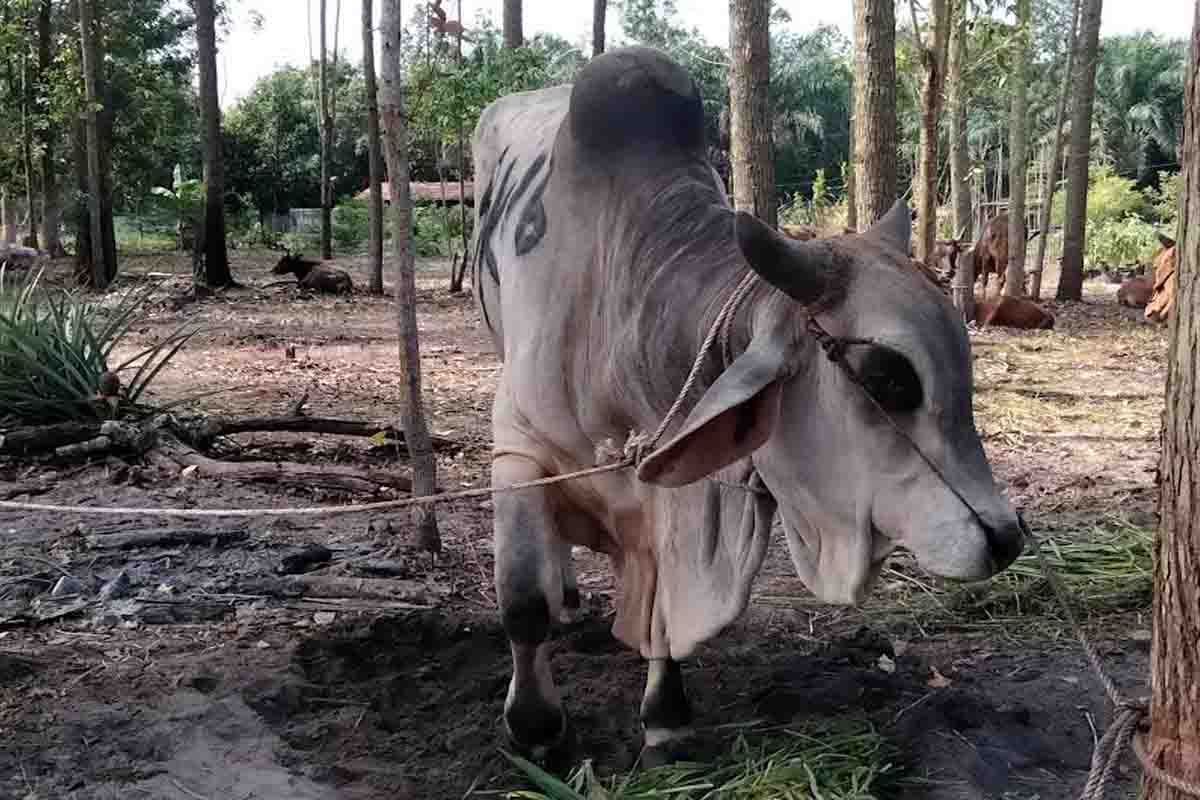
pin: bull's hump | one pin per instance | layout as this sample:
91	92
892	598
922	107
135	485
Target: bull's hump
633	98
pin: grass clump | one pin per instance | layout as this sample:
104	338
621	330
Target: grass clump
844	760
56	345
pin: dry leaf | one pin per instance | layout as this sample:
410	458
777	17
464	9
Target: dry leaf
938	681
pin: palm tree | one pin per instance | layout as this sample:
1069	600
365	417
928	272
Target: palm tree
1139	102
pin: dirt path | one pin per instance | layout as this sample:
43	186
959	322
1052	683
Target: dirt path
215	690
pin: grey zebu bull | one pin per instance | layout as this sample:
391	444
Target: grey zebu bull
605	247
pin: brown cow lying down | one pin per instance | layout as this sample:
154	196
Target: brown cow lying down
802	233
1012	312
314	276
1163	298
1136	292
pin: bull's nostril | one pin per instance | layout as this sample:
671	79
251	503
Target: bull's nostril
1005	541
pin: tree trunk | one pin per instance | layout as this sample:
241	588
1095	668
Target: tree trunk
874	108
1018	157
1070	282
456	281
851	205
326	131
749	105
599	10
395	144
82	211
960	157
1056	147
51	198
933	58
1175	652
374	156
31	234
216	256
100	270
8	216
513	35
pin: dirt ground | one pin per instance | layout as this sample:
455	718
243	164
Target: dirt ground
198	684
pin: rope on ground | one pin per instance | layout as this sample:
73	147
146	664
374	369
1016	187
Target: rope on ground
1128	715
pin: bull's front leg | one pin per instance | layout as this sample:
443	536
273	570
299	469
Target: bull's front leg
666	714
529	573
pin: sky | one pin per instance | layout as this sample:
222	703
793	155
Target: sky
247	54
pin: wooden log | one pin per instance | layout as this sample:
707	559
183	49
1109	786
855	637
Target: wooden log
40	438
302	476
165	537
207	429
362	588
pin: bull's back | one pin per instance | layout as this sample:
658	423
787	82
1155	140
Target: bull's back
512	150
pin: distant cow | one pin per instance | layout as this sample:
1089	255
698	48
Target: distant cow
17	256
315	276
1163	297
991	251
803	233
1012	312
1136	292
605	247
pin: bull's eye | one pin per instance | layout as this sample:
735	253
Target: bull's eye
891	380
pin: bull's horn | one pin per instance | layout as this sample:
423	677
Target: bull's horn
962	232
894	228
795	268
1165	241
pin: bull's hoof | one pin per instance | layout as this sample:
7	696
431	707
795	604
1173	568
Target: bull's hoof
664	752
551	747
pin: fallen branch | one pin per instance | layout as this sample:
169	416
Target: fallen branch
39	438
328	587
166	537
1054	394
302	476
204	431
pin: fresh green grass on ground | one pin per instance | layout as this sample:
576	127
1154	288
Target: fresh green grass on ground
831	760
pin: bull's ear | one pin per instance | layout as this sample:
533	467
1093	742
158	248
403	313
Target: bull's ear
733	418
894	228
1165	241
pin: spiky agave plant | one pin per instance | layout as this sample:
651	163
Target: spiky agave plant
56	348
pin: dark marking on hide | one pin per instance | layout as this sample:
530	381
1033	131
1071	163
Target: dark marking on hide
743	422
532	226
526	619
666	704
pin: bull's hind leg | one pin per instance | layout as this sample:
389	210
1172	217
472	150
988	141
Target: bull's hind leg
666	714
529	587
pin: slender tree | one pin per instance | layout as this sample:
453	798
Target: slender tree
1070	282
1056	146
750	114
327	111
599	10
374	156
100	273
959	94
874	108
216	256
933	59
851	203
513	35
1018	162
31	177
1175	651
395	148
51	196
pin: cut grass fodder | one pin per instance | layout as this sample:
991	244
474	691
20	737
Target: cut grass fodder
56	345
1106	567
836	760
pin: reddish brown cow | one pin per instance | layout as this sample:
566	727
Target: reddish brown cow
803	233
1012	312
991	251
315	276
1163	298
1136	292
